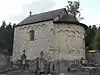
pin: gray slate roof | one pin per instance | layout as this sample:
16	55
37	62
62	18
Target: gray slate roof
41	17
51	15
67	18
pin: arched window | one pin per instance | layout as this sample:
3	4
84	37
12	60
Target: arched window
32	35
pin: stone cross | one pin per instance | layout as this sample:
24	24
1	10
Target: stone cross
23	57
42	54
53	51
24	51
30	13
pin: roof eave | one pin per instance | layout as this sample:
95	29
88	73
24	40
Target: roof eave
32	23
70	22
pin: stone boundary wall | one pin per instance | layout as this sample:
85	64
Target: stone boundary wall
93	57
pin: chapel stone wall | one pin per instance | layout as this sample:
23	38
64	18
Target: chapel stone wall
66	39
70	41
43	38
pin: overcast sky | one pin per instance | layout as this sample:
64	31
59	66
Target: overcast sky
16	10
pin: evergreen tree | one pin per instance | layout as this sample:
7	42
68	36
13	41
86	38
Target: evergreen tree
3	31
3	44
90	34
9	38
96	40
6	37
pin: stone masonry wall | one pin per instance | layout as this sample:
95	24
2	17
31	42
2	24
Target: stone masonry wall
66	39
69	40
43	38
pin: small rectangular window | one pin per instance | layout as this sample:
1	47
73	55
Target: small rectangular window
31	35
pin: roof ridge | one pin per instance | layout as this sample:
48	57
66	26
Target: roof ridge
49	11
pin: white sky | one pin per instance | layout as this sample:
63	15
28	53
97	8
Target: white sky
15	11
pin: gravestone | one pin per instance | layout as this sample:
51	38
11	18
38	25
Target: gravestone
23	62
40	65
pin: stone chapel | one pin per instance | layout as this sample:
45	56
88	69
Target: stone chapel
56	33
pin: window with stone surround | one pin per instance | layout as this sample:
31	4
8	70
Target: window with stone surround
31	35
